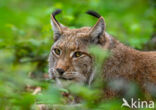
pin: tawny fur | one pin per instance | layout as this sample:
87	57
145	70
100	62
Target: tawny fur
130	63
124	62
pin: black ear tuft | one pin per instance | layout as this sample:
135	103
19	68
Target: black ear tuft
55	13
93	13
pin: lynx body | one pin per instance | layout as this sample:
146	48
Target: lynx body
69	58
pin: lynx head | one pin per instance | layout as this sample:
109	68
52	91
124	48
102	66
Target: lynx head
69	58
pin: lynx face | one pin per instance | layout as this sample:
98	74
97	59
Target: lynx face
69	58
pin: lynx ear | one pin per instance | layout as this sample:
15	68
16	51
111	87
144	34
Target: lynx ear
57	28
97	30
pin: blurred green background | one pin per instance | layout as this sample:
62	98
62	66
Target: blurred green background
26	38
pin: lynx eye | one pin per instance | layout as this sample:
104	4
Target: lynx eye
57	51
77	54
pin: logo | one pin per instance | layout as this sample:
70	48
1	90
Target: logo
137	103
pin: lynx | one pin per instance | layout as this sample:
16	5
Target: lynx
69	58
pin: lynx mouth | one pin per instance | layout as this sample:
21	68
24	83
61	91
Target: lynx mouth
60	77
70	77
66	78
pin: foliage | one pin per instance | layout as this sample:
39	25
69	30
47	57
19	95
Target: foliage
26	38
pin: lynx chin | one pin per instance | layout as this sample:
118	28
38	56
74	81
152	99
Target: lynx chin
69	58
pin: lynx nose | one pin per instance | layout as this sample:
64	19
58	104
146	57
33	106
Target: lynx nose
60	71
